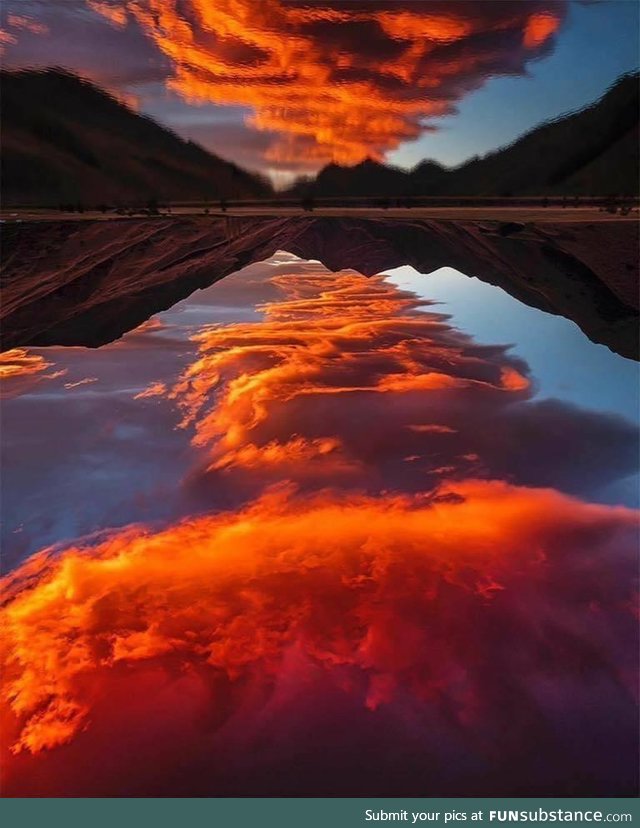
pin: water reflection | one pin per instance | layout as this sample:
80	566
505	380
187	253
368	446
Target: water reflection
373	567
97	436
564	364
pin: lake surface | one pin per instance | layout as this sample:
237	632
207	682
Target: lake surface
322	534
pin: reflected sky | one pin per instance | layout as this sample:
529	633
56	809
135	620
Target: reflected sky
128	454
564	363
100	434
300	518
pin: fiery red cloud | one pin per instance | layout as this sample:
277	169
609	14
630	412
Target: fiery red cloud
339	81
20	370
367	617
15	24
334	344
474	609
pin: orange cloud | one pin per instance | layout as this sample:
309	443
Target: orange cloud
156	389
16	21
18	362
332	336
116	15
353	375
334	83
540	27
19	369
432	428
84	381
389	598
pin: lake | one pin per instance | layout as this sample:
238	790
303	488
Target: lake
315	534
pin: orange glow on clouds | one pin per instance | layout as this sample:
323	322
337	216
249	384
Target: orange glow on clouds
332	337
20	369
334	82
334	597
231	594
539	28
18	362
114	14
17	24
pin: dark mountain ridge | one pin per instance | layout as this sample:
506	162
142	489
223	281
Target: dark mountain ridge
66	140
593	151
108	277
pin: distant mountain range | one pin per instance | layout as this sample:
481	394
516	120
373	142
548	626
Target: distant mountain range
590	152
66	140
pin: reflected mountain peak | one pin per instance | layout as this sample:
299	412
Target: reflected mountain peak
584	270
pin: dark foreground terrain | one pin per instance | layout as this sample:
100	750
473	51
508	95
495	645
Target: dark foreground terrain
89	282
64	140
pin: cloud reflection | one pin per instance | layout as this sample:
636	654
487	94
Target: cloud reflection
380	574
21	370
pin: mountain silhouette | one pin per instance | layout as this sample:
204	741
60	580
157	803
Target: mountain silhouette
590	152
66	140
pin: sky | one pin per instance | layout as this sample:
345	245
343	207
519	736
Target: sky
287	86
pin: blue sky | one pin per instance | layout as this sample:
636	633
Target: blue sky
599	42
564	364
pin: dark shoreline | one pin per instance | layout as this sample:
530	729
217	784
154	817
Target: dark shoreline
86	283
